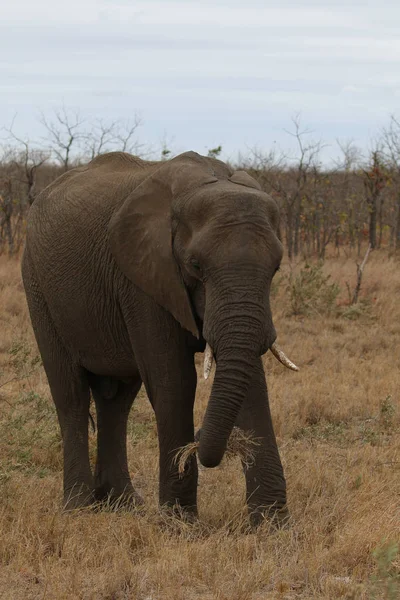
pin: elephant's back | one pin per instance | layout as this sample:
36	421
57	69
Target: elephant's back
98	186
78	205
121	161
67	240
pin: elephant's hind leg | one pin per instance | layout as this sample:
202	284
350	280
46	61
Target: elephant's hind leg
113	399
70	391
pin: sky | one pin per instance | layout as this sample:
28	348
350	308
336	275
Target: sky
202	73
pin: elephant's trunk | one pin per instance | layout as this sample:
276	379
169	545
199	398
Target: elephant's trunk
232	378
238	327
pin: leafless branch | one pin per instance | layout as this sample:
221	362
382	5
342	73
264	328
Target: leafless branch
125	137
65	133
115	135
26	161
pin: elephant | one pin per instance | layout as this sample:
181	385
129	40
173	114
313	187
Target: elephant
130	268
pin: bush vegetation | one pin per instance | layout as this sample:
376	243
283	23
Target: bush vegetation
312	292
345	205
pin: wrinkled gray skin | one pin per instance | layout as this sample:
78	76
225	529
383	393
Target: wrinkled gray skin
129	267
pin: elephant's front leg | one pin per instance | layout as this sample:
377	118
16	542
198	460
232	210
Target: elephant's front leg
171	388
265	481
166	364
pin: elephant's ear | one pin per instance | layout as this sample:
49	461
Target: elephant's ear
243	178
140	239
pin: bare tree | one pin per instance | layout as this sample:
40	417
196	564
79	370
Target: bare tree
100	138
374	183
307	161
391	138
360	270
352	200
319	214
288	176
26	160
126	136
19	164
65	134
115	135
6	211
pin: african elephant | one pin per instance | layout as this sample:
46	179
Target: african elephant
130	268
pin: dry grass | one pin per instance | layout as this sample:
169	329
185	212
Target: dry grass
241	444
337	423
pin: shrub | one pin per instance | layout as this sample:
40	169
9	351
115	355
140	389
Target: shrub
386	579
312	292
353	312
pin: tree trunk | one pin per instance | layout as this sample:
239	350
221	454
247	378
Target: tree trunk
380	219
6	225
289	232
372	222
397	229
296	245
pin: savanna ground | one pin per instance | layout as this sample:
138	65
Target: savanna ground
337	423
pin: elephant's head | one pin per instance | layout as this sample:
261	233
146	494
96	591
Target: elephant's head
203	241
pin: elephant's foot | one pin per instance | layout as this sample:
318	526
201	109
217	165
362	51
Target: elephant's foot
277	518
188	514
176	519
126	498
78	496
179	504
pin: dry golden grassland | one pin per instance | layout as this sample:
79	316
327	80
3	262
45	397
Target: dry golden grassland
337	423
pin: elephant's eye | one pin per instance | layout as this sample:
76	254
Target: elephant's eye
195	264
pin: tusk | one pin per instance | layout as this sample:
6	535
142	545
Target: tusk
208	361
281	356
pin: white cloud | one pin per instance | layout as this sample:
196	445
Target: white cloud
204	13
352	89
46	12
223	71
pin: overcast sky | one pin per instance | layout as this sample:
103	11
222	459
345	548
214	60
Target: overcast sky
205	72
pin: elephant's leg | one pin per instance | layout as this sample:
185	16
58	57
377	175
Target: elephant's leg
173	406
265	481
170	379
166	366
70	391
113	399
